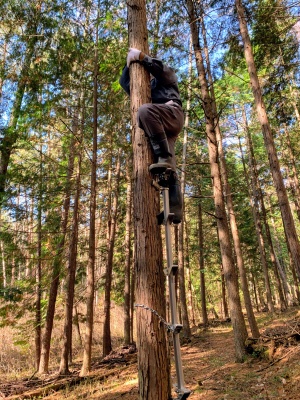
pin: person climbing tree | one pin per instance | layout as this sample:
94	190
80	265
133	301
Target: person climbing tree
161	120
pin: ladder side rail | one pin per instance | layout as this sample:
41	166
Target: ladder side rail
181	389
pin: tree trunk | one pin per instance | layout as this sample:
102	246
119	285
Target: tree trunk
255	291
296	280
181	264
181	279
190	300
107	346
283	304
223	291
201	264
71	274
279	258
3	263
286	214
127	245
236	315
38	274
88	337
132	298
293	175
2	67
153	362
294	95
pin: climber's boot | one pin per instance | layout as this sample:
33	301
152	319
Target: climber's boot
175	201
165	159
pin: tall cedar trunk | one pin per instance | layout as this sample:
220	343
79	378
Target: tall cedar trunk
235	308
11	132
181	279
56	269
88	336
223	290
254	291
70	284
181	263
77	326
127	244
229	202
201	264
72	263
153	362
279	258
282	300
3	263
132	297
294	176
190	300
296	280
2	67
38	275
283	304
286	214
294	95
107	346
252	186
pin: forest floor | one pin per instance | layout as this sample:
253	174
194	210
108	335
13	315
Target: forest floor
210	370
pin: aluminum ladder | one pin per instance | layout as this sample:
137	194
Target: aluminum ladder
162	184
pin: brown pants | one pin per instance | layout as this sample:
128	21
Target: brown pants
160	121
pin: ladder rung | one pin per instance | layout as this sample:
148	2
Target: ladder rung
170	218
176	328
175	269
170	270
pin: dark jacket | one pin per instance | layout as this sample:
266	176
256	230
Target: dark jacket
164	85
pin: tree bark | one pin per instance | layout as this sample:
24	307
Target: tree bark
127	245
3	263
293	174
190	299
279	257
153	362
201	264
107	345
223	291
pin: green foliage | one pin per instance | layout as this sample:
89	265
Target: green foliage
11	294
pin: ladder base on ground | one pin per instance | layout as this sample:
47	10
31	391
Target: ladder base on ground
183	395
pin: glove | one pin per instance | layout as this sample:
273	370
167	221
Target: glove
133	55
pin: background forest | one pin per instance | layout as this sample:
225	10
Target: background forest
60	63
